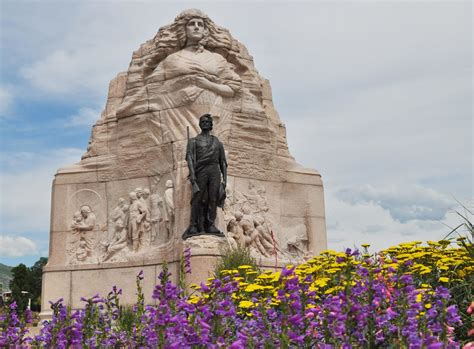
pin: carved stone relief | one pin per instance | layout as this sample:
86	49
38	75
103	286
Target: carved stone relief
249	223
136	226
169	208
296	245
83	226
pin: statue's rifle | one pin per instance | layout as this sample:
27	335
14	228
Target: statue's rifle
193	181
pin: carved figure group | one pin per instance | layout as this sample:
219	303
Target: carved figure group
248	222
83	223
134	224
141	223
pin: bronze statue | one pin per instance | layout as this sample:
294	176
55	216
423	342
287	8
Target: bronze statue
206	161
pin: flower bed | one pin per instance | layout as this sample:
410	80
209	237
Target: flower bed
408	296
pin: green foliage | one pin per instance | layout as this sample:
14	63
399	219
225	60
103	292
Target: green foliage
28	280
127	319
5	277
233	258
463	292
19	283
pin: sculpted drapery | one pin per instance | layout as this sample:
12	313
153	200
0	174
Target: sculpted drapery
186	84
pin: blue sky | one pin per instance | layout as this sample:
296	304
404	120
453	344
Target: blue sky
375	95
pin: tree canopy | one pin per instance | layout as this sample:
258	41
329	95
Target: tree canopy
28	280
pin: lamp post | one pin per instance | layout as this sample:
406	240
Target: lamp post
29	299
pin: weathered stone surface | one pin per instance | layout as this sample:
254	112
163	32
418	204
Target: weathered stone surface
110	217
56	285
123	278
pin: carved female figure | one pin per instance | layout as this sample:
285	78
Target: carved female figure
187	82
84	222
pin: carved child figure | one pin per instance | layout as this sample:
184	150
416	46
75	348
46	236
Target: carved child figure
76	219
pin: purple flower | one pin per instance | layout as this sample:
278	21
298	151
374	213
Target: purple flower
187	260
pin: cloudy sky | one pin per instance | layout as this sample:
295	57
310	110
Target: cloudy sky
375	95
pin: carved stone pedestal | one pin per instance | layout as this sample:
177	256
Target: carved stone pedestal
72	283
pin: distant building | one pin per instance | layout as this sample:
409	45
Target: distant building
5	297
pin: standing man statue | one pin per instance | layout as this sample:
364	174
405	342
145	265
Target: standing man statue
206	161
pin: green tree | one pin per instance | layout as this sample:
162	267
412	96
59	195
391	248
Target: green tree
28	280
36	282
18	284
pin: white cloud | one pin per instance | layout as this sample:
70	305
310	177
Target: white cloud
340	45
67	73
403	202
25	184
84	117
17	246
352	224
374	95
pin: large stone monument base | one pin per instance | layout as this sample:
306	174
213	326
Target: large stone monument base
124	207
301	225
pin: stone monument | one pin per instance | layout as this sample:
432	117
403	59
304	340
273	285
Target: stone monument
124	206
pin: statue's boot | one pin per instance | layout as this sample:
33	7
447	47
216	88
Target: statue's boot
191	231
214	231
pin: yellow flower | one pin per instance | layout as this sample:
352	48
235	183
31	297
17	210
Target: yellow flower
444	279
264	276
321	282
419	297
245	267
253	288
425	270
246	304
428	305
193	299
276	276
333	289
333	270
